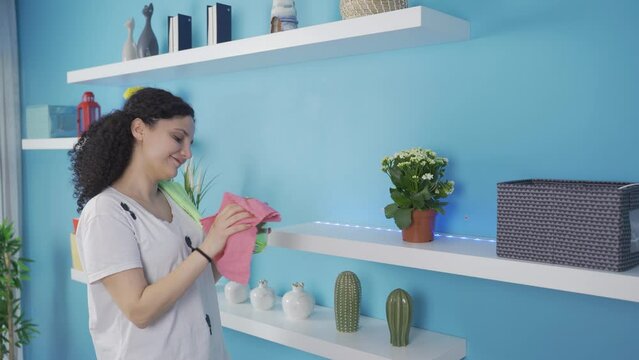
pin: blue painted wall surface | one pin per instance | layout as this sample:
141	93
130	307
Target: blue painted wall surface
544	89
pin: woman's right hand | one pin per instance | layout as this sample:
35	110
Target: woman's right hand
225	225
142	302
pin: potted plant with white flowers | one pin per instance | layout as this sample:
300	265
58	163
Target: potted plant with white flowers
418	177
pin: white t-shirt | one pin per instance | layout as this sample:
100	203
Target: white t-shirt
115	233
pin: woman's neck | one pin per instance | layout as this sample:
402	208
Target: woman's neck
137	185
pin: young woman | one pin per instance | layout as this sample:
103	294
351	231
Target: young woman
151	287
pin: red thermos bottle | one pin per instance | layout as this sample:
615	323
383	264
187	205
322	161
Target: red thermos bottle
88	112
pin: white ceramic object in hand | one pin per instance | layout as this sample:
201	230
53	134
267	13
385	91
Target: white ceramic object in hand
262	297
297	303
235	292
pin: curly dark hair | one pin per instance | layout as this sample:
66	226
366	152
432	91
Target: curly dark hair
104	151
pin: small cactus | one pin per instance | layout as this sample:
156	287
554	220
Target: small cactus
399	309
348	296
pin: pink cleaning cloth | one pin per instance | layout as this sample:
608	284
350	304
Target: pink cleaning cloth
234	262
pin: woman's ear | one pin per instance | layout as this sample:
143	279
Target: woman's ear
137	129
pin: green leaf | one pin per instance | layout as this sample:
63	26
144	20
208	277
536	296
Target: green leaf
390	210
14	270
395	176
419	199
399	198
406	184
403	218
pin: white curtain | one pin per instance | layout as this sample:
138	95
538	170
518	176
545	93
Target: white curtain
10	135
10	143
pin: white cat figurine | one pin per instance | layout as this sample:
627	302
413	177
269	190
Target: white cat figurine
129	51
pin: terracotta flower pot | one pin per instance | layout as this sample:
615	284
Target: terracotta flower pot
422	227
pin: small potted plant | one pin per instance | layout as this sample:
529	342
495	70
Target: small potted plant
418	177
16	330
196	186
195	183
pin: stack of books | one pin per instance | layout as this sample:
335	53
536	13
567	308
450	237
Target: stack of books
179	32
218	23
75	255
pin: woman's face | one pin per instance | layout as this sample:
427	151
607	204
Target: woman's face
166	146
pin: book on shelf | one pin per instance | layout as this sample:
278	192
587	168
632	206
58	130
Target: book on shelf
179	32
218	23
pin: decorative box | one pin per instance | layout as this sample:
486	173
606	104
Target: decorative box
51	121
578	223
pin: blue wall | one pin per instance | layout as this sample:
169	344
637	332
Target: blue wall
544	89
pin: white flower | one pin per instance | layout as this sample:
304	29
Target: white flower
428	176
451	187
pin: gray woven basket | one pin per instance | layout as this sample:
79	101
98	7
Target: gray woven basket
575	223
356	8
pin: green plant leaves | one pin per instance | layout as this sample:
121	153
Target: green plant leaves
419	199
390	210
417	175
403	218
195	183
399	198
395	175
12	271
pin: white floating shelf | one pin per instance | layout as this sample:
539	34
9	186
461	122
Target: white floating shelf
49	144
454	255
411	27
317	335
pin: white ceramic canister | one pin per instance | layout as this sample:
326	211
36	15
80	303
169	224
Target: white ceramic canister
297	303
235	292
262	297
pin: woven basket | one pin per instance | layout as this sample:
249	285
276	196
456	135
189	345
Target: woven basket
356	8
577	223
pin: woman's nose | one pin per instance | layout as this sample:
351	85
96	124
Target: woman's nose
186	150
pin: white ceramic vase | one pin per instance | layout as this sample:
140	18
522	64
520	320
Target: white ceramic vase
235	292
262	297
297	303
